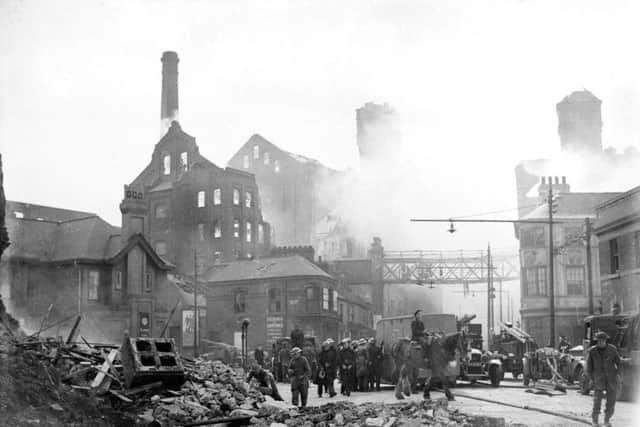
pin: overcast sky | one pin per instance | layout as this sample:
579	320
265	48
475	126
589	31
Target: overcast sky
475	84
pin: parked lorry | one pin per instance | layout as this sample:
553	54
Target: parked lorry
513	345
624	332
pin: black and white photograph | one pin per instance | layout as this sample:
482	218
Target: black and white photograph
333	213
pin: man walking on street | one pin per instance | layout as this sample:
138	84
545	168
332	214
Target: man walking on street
346	361
603	364
284	361
258	354
299	372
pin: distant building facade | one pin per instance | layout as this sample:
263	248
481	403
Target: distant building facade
618	231
377	133
570	262
580	122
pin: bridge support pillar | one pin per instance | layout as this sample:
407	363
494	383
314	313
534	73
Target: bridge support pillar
376	254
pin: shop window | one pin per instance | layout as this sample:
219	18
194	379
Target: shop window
201	199
236	228
260	233
256	152
217	230
248	232
275	300
266	157
614	256
166	164
245	161
239	301
217	197
161	211
201	232
276	166
575	280
92	286
236	197
248	198
161	248
117	279
148	282
184	161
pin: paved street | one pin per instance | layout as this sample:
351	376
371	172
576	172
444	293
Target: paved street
573	403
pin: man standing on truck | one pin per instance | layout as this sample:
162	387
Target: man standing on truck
417	327
603	364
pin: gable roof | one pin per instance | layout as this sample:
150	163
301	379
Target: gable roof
265	268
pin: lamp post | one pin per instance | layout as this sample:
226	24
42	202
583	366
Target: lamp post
245	352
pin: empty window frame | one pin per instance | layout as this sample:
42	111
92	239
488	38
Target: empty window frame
248	236
248	199
276	166
266	158
260	233
184	161
92	285
236	197
166	164
256	152
117	279
236	228
312	294
325	298
201	199
614	256
217	197
201	232
245	161
217	230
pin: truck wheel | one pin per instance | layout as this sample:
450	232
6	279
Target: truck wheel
494	376
585	384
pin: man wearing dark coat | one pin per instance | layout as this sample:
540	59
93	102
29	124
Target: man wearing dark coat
297	337
375	364
346	362
417	327
258	354
299	372
603	365
327	364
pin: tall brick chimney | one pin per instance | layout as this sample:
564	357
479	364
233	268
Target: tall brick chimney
169	100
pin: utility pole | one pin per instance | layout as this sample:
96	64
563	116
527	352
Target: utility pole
587	232
552	306
489	299
500	281
195	303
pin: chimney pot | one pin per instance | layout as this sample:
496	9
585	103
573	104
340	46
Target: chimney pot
564	180
544	181
557	180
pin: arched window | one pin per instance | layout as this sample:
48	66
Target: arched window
256	152
217	197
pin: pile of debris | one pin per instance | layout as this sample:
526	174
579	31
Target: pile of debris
413	413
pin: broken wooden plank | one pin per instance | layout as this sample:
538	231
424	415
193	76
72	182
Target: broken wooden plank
104	370
120	396
79	372
146	387
73	330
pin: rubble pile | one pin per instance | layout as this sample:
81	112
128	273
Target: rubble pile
415	413
212	390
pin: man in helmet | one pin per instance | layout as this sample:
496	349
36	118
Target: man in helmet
346	362
603	364
327	363
299	373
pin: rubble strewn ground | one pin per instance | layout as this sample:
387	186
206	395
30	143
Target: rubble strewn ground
47	382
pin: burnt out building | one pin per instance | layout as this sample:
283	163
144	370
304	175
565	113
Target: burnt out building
378	136
296	191
192	211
